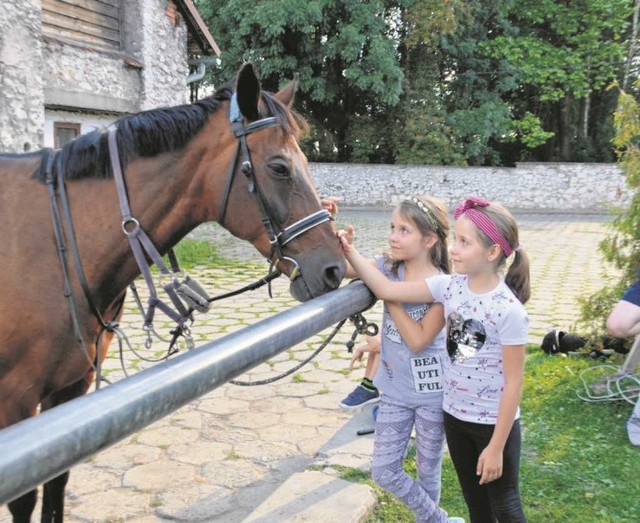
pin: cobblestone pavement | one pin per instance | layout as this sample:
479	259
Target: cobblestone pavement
219	457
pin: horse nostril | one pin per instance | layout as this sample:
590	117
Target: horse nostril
333	276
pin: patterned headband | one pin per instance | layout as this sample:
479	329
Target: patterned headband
420	204
483	222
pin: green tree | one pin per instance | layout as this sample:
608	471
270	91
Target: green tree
621	248
341	51
414	131
480	82
564	54
422	134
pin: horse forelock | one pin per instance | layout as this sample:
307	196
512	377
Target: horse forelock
290	121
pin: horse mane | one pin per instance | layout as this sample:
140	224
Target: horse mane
150	133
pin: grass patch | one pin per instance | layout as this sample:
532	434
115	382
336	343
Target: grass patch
191	253
577	463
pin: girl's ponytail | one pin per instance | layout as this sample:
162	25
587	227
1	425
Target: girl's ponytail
517	277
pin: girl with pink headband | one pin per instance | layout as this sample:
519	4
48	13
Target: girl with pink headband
487	328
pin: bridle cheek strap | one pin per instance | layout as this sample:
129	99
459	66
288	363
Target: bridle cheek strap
280	240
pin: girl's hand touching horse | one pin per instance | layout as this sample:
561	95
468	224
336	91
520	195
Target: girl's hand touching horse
330	203
346	237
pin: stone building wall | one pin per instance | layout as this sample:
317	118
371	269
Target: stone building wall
564	187
21	94
39	78
89	79
164	46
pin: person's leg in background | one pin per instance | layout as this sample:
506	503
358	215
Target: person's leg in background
365	392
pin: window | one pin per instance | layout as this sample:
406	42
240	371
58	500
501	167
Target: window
64	132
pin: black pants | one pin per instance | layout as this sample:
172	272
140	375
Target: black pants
498	500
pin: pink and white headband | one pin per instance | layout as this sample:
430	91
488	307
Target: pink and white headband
483	222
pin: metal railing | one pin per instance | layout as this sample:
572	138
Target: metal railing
40	448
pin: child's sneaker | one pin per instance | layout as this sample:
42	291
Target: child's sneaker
360	397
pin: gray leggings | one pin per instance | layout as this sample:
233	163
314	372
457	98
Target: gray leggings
393	430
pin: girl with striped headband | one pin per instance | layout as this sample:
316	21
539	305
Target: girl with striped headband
487	328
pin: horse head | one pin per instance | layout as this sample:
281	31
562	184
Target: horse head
274	202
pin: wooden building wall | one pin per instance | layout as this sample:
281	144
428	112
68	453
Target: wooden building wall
93	22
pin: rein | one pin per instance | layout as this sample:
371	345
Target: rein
141	244
57	189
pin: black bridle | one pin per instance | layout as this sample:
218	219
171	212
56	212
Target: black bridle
280	240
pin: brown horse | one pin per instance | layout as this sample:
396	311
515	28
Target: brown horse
175	162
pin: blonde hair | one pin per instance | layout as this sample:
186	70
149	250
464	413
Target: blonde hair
517	277
430	215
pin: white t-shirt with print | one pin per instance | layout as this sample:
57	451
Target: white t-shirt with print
478	325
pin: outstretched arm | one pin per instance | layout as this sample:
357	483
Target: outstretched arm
418	334
403	292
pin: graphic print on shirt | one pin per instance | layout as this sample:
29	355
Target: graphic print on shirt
464	337
391	332
427	374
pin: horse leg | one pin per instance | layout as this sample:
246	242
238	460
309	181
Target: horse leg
12	410
21	508
53	499
53	491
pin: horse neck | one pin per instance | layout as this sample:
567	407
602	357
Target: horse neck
167	195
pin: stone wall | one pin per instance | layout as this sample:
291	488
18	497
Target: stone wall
89	79
21	94
35	74
163	53
562	187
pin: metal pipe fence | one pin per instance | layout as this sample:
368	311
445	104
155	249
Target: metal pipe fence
40	448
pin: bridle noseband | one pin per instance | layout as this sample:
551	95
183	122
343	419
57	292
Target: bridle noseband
280	240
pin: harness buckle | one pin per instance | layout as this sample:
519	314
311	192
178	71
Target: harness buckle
135	224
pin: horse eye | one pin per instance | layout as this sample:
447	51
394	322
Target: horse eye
279	170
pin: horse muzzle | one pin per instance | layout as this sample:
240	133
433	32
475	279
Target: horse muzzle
307	284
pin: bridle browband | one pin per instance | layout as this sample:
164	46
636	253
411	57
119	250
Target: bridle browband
280	240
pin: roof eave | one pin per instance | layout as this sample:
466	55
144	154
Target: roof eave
197	27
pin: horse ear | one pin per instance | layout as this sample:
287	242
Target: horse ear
286	94
248	92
